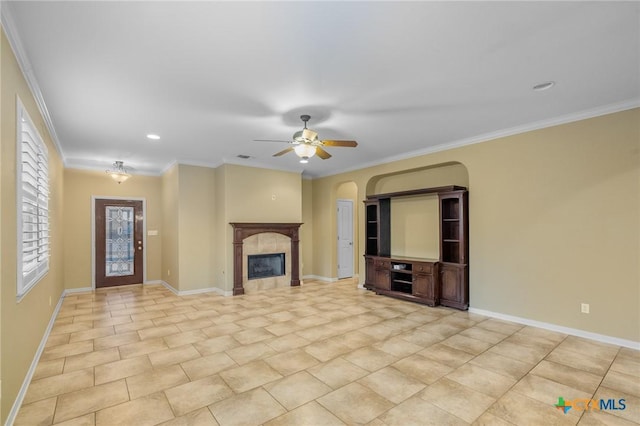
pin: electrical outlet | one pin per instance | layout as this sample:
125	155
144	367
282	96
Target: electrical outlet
584	308
168	272
49	300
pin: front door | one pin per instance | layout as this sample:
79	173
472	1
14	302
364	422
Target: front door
119	244
345	238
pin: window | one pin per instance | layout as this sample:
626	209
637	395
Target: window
32	195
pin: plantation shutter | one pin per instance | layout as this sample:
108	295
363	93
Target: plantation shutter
33	197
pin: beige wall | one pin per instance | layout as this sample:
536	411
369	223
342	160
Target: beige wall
170	270
415	227
188	243
221	247
196	191
306	230
325	195
22	324
256	195
553	222
79	187
262	195
421	177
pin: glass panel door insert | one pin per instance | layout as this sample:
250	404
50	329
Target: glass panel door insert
119	248
119	241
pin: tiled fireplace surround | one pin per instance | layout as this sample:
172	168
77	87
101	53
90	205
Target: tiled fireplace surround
265	238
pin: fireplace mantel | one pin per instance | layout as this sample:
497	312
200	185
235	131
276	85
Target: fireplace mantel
242	230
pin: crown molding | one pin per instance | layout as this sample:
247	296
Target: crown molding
486	137
78	165
259	165
27	71
211	165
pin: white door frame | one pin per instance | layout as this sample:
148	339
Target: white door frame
93	233
351	204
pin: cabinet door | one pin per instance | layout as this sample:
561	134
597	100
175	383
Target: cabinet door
423	286
383	280
370	272
454	291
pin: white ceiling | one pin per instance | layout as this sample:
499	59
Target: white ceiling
401	78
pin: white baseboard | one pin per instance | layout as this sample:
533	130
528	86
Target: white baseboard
191	292
76	290
329	279
36	358
560	329
319	278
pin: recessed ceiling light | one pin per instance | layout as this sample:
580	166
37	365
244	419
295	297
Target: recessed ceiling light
544	86
152	136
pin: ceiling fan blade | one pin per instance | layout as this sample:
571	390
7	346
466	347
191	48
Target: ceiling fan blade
284	151
309	134
349	144
322	153
270	140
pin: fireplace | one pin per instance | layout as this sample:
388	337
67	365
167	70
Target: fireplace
265	265
242	231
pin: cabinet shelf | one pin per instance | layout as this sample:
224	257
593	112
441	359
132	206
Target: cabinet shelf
402	287
454	250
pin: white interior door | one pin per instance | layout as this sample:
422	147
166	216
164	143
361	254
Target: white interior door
345	238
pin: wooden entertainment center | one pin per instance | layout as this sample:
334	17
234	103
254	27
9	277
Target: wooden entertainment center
443	281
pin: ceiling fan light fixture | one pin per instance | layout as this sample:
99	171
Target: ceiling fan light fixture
304	160
119	172
304	150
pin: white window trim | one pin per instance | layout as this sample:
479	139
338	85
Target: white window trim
22	288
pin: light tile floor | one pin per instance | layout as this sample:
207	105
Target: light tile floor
321	354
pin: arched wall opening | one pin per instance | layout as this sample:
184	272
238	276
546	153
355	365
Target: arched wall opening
415	220
451	173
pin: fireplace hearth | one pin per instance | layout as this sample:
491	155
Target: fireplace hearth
265	265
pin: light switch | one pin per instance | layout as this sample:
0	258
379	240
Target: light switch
152	232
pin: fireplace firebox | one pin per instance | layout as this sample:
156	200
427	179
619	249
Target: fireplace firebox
265	265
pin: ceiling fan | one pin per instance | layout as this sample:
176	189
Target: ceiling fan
306	143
